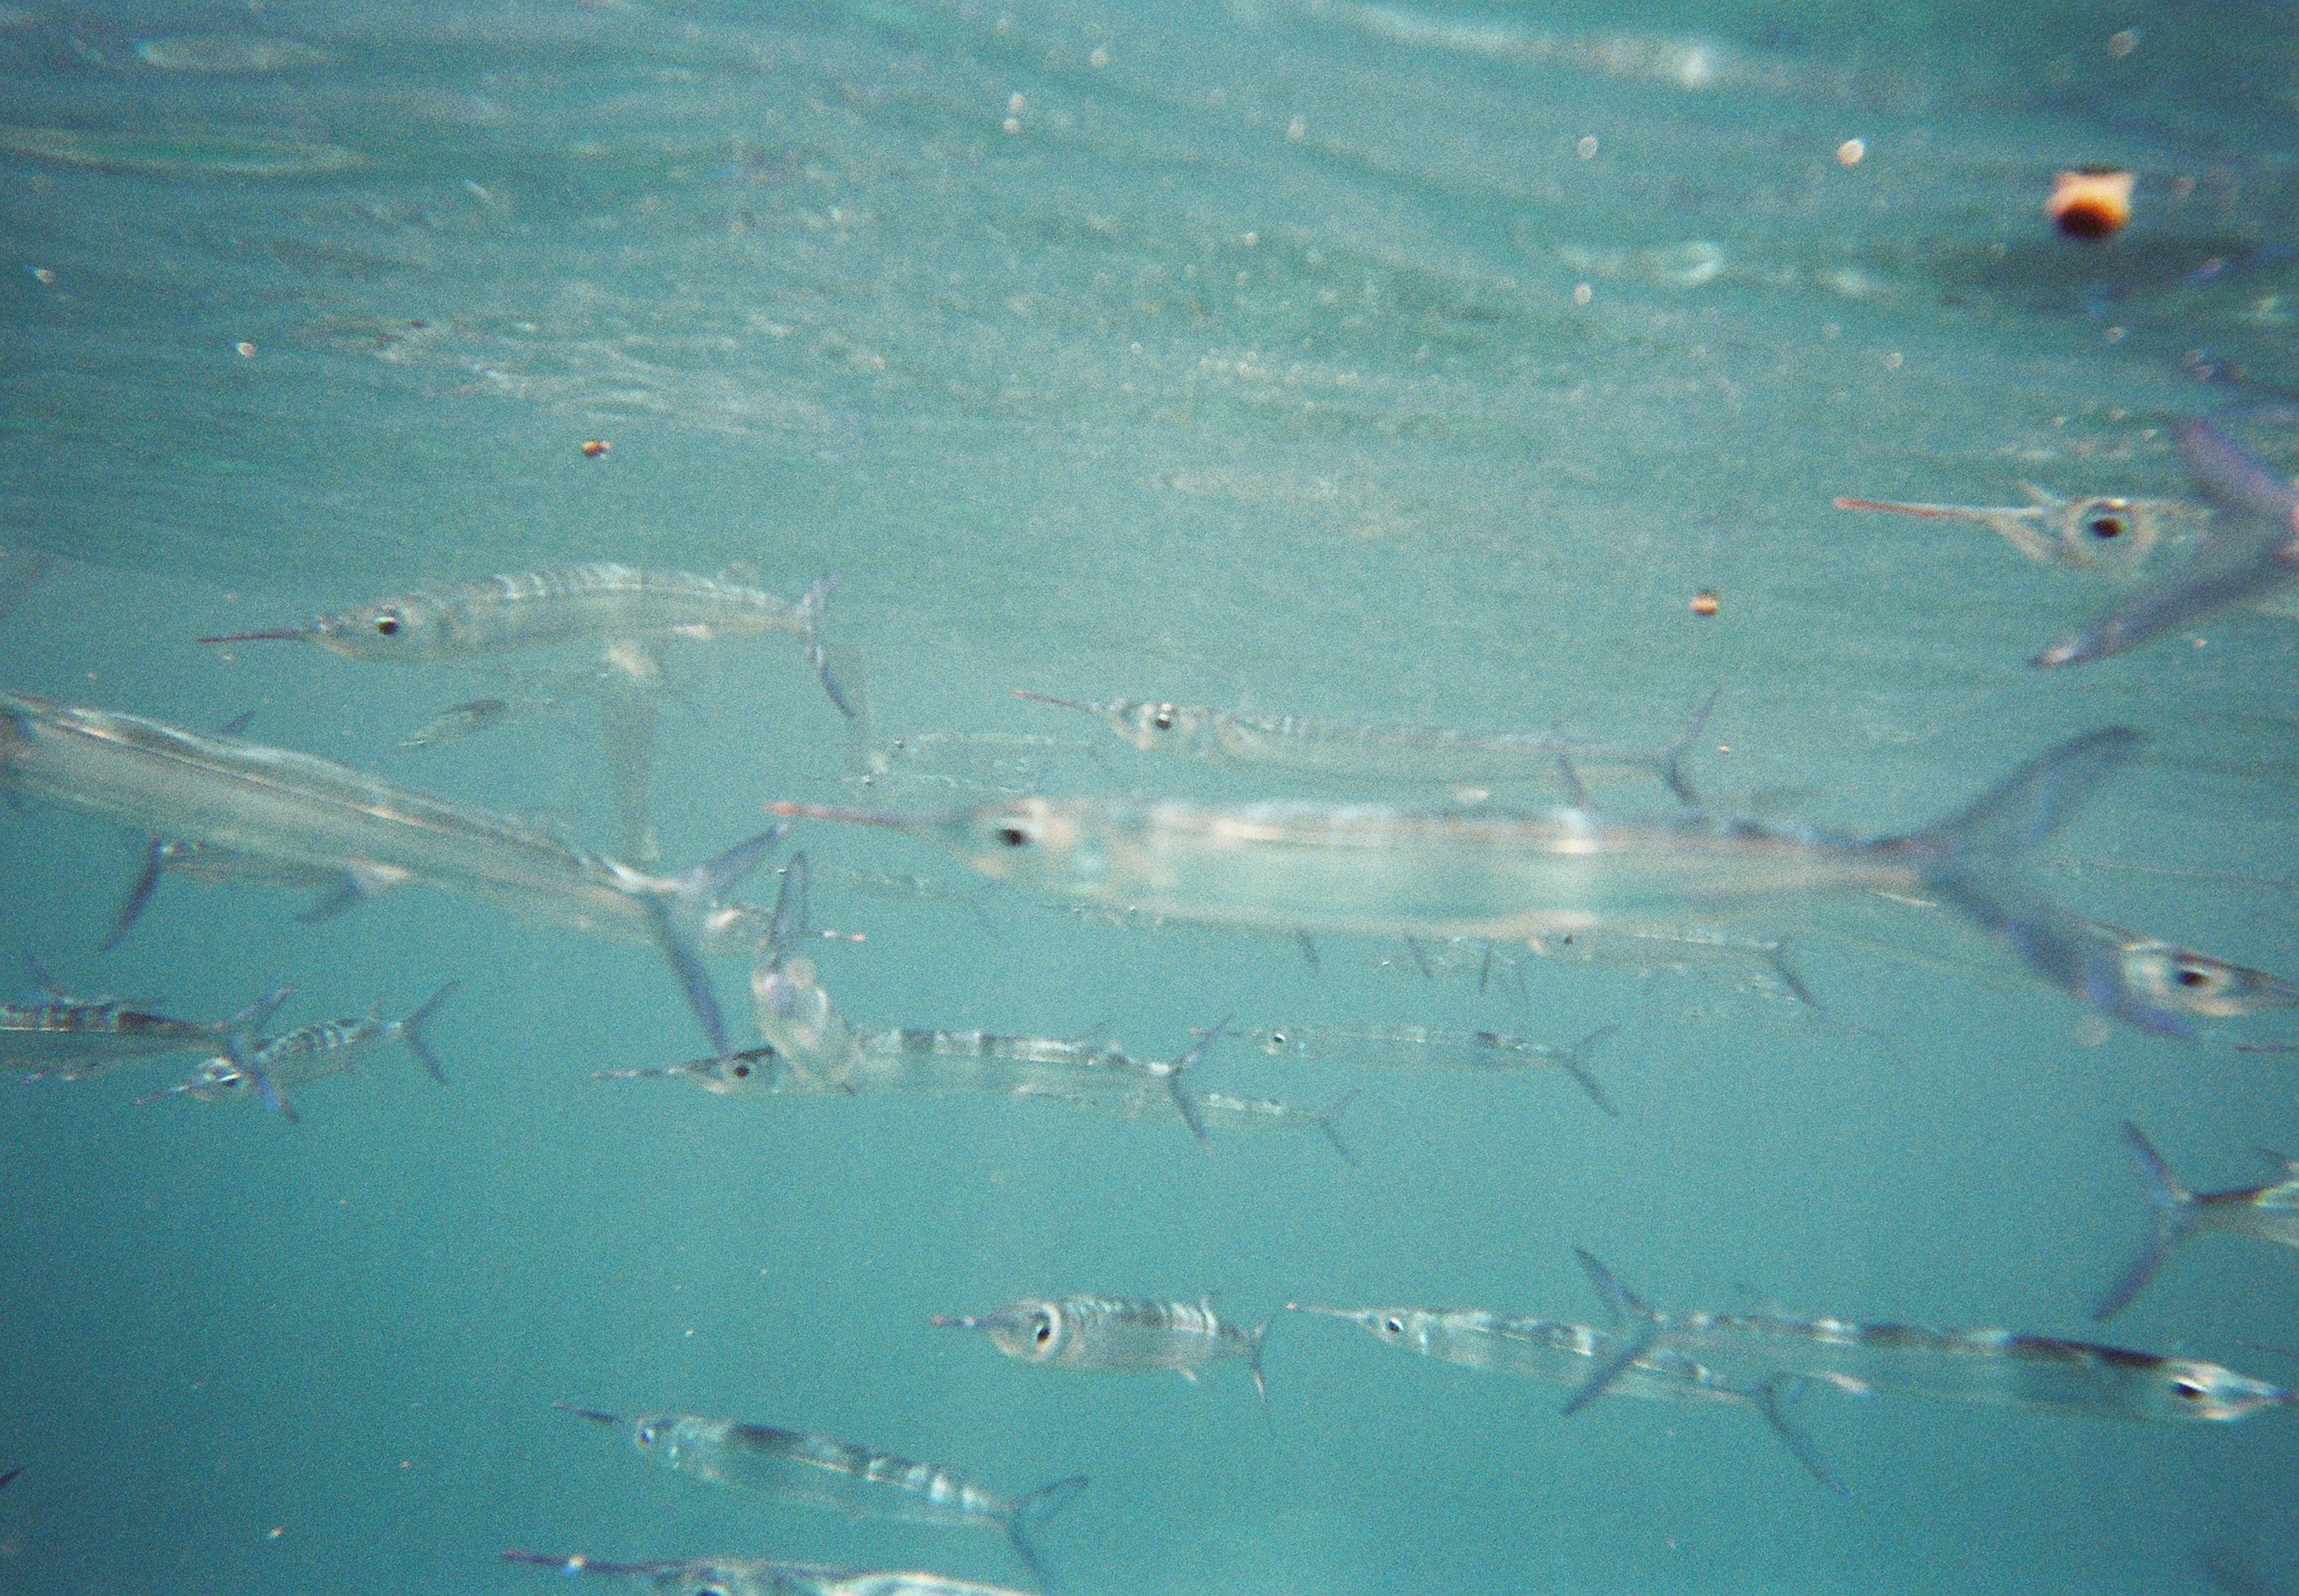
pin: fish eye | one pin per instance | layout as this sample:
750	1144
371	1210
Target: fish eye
2188	1391
1045	1330
646	1434
2105	527
1014	835
2192	975
1162	717
741	1072
1393	1324
387	623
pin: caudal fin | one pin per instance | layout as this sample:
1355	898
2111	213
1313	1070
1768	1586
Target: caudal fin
410	1030
1670	768
1772	1398
1573	1059
139	896
2175	1211
1329	1121
2027	808
1036	1508
678	911
1635	1328
1179	1088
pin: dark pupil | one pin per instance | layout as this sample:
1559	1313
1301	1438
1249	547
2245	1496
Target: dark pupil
2189	1389
1013	836
388	625
2107	526
1395	1326
2189	975
741	1072
1045	1334
1163	720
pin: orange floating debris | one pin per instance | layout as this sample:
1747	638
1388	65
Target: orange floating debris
2091	202
593	447
1704	602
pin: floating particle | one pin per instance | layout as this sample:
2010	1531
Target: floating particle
2123	42
43	275
1297	130
1582	294
593	447
2091	202
1587	148
1704	603
245	350
1852	152
1099	58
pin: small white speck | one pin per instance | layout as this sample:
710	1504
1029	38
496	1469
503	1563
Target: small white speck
1582	294
1099	58
1297	130
1587	148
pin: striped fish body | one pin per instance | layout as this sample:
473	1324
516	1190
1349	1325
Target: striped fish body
1554	1351
817	1470
1117	1332
1999	1367
578	603
1406	1047
746	1576
935	1063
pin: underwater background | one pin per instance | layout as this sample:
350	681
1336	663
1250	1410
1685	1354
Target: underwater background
1230	354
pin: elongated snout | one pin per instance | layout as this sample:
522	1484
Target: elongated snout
593	1414
277	635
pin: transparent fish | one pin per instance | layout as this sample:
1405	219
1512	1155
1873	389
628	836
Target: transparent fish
1561	1354
2264	1213
1386	754
68	1039
370	835
1377	871
2093	532
1421	1047
757	1576
2247	554
852	1480
1116	1332
1991	1368
294	1058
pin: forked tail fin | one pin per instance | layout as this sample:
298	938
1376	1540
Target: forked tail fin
674	915
2175	1212
2026	808
1329	1121
1635	1328
1573	1059
410	1031
1670	768
1036	1508
1772	1399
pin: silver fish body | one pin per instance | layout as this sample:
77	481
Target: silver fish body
1116	1332
300	811
754	1576
820	1471
294	1058
578	603
70	1041
1390	754
1990	1367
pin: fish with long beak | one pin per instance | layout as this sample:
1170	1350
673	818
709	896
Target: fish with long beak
294	1058
822	1472
1116	1332
1385	753
2246	555
2096	532
1377	871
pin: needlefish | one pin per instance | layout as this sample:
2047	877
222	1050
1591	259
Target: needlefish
2246	555
1995	1368
2092	532
1377	871
1388	754
2265	1213
1561	1353
1117	1332
308	1053
824	1472
371	835
74	1039
1421	1047
756	1576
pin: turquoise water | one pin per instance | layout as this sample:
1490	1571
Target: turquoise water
1244	364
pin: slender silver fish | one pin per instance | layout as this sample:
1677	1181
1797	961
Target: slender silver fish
1561	1353
2091	532
68	1039
1377	871
2078	1379
308	1053
2267	1213
2247	553
298	811
757	1576
1116	1332
1420	1047
1389	753
849	1479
